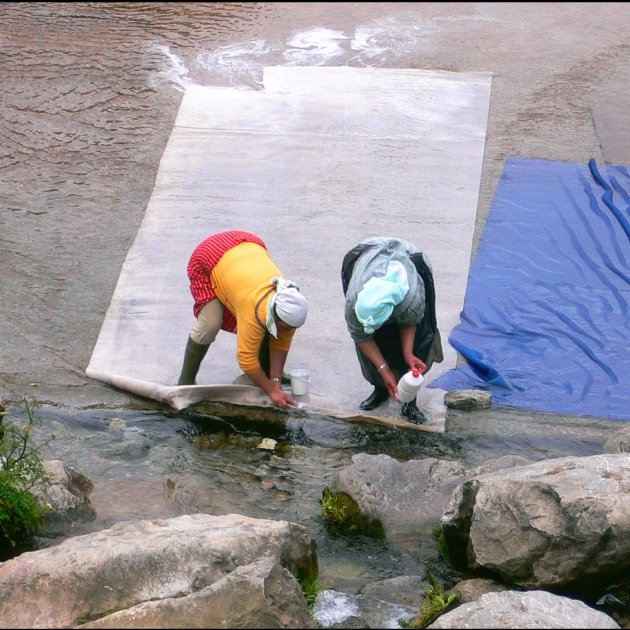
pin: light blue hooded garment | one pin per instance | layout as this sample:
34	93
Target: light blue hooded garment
376	300
372	267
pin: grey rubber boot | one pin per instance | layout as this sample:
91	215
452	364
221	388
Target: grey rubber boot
195	352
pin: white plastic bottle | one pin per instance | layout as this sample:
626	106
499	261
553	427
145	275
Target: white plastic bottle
409	385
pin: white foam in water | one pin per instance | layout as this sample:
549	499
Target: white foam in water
242	64
315	47
387	37
333	607
238	62
235	54
365	40
177	73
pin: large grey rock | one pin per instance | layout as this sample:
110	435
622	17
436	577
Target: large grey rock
551	523
262	594
141	561
530	609
407	497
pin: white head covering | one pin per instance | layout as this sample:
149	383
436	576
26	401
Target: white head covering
376	300
290	305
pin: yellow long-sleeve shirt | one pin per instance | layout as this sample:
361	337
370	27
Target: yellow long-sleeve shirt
240	279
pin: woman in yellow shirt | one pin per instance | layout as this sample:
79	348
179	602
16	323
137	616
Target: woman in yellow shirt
238	288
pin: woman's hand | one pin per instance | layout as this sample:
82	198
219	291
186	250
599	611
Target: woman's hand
281	399
416	364
273	389
390	382
407	336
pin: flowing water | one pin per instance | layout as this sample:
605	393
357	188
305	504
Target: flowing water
89	95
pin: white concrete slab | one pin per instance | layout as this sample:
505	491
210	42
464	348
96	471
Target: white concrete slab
320	159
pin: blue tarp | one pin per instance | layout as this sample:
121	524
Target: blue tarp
546	322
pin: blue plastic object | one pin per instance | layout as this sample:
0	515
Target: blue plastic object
546	322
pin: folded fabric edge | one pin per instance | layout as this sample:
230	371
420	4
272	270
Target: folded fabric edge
180	397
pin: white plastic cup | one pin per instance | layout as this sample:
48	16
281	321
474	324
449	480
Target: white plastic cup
300	380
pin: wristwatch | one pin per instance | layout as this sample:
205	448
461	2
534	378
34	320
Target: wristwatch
275	379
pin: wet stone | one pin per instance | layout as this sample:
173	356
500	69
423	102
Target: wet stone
467	399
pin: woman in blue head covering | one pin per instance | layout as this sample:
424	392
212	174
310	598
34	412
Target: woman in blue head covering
390	314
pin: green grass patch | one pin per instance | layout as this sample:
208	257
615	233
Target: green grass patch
342	515
21	469
435	604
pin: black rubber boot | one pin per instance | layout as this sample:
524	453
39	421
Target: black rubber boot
375	399
195	352
411	412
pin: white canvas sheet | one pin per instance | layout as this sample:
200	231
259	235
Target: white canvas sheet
318	160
